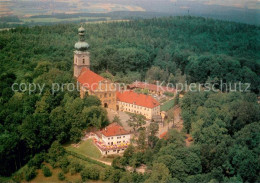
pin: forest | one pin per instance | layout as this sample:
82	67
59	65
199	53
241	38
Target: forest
224	125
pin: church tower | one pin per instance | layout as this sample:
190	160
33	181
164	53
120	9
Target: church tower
81	54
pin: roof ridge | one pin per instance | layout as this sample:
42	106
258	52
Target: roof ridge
138	99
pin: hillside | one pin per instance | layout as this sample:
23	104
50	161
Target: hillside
174	44
245	11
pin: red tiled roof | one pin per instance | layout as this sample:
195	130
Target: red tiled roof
163	135
89	79
137	99
152	87
114	129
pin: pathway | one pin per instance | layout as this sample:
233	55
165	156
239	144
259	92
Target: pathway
178	122
124	117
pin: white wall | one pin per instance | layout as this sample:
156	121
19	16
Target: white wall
116	139
147	112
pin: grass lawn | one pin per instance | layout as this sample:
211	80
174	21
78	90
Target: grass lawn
86	148
167	105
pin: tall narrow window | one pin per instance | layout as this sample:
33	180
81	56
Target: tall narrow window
83	61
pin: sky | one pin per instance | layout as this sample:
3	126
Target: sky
251	4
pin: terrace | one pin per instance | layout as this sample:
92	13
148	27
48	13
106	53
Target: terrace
104	147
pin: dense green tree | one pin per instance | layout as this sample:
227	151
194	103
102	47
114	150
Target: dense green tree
173	49
46	171
167	160
61	176
37	160
176	99
152	140
59	124
116	176
91	100
36	131
137	159
90	172
176	138
56	151
249	136
128	153
95	116
153	129
245	163
160	174
30	173
119	163
156	74
136	121
141	141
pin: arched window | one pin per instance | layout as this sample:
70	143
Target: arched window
83	61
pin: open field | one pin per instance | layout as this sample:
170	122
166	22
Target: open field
107	21
39	7
54	178
57	20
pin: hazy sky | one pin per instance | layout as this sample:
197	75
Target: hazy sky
252	4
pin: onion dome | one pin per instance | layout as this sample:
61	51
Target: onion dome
81	45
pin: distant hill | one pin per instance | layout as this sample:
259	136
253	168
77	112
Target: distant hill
124	9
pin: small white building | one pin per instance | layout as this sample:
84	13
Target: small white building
112	140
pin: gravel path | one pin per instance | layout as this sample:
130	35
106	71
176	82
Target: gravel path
178	122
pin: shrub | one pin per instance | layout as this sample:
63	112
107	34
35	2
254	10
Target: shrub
53	164
36	160
30	173
169	94
84	175
46	171
76	165
84	158
63	162
65	169
78	181
18	176
73	170
105	174
61	176
56	151
112	156
116	175
90	172
176	99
